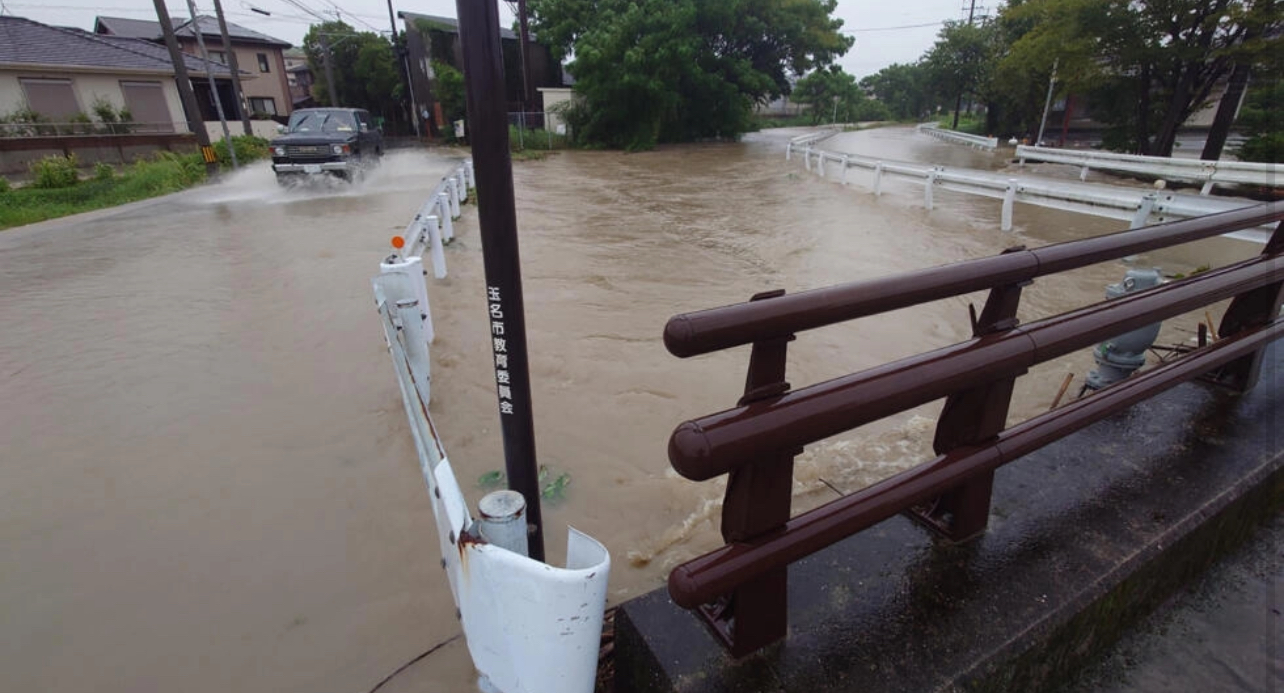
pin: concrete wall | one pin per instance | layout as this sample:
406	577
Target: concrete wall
262	128
17	153
88	86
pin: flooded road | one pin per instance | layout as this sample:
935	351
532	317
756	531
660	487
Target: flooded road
206	478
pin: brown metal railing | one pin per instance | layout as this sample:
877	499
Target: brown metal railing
739	589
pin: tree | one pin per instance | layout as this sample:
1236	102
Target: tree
1252	54
364	65
961	60
1262	119
450	92
834	97
1147	65
651	71
904	89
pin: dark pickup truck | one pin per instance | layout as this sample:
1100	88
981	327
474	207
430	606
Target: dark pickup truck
340	142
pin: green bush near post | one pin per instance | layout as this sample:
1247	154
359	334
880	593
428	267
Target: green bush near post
54	172
247	148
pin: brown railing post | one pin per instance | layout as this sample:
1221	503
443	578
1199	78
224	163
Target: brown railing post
757	501
1248	310
971	417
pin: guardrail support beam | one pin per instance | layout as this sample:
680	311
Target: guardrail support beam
972	417
1246	311
1009	197
757	501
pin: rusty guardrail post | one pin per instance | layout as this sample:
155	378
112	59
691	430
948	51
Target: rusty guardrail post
1248	310
757	501
971	417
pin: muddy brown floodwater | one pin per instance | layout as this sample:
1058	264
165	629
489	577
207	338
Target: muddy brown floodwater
206	478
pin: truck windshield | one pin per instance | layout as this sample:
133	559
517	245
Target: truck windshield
322	121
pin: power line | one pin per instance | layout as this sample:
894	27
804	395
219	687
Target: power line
894	28
307	9
338	10
278	17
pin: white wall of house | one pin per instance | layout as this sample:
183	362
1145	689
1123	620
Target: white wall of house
89	87
552	97
261	128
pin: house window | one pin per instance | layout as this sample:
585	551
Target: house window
263	62
51	98
262	105
219	57
147	106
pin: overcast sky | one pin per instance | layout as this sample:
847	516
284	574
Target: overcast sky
886	31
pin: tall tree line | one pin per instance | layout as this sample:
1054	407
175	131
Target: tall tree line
1144	66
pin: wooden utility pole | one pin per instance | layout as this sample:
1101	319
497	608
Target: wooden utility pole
209	76
958	103
523	42
194	121
404	63
329	71
242	103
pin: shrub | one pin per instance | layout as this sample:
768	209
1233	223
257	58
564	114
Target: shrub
104	109
81	124
1266	147
4	185
103	171
54	172
535	139
247	148
168	172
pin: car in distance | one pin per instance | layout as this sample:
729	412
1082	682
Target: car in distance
338	142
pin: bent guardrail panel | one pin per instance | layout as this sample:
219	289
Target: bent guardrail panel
739	590
530	627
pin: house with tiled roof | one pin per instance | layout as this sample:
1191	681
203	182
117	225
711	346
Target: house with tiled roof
66	75
259	57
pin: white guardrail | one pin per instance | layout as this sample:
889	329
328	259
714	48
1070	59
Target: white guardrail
1209	173
530	627
1139	206
933	130
811	138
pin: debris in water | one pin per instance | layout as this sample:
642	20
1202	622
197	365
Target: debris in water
491	479
555	491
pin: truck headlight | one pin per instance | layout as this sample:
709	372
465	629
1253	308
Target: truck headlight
278	151
339	149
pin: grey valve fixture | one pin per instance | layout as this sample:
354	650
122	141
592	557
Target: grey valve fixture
1118	357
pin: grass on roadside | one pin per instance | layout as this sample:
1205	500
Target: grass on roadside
972	125
164	173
